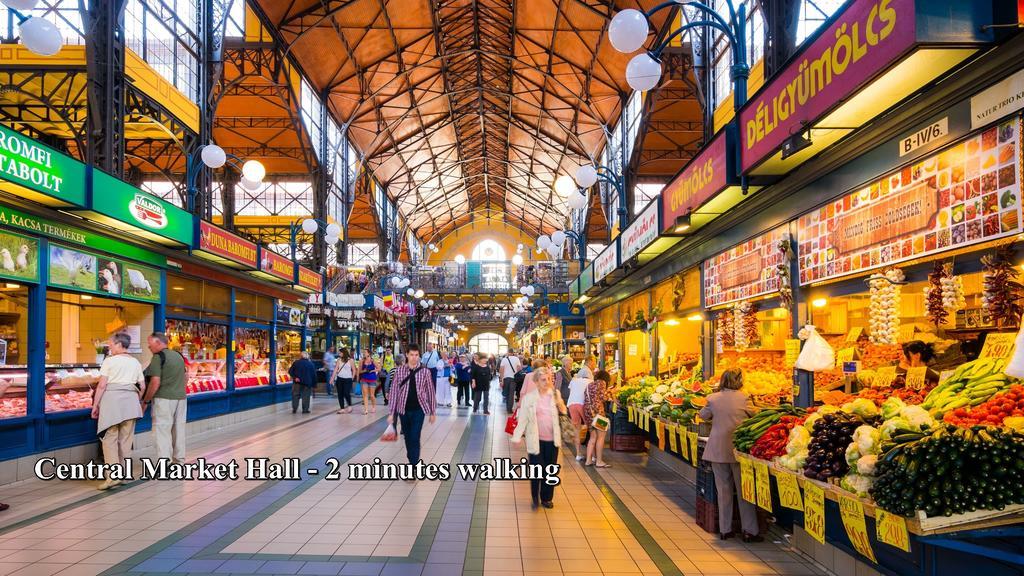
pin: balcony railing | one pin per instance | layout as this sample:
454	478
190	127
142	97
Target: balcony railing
493	276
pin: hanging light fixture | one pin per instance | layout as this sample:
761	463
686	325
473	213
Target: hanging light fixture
564	185
643	72
213	156
628	30
586	176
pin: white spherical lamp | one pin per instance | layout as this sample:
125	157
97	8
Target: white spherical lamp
565	185
517	260
460	259
643	72
395	281
558	238
309	226
41	36
530	290
251	185
586	176
423	303
577	201
543	242
628	30
213	156
331	240
420	293
523	290
410	293
253	171
333	230
430	302
20	4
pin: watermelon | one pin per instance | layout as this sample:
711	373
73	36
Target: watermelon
674	400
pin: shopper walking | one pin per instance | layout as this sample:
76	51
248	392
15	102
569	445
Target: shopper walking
594	400
726	409
387	371
344	374
165	388
538	421
564	376
412	401
303	375
329	360
507	370
481	374
118	402
368	382
588	368
429	360
575	402
443	383
463	378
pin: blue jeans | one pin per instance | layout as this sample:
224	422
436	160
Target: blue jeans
412	426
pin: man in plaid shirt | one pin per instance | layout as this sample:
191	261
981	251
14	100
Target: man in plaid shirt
412	408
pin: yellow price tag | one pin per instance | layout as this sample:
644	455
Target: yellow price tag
917	377
659	428
907	333
683	450
747	481
852	512
789	491
945	375
884	377
998	345
673	440
763	486
846	354
693	447
632	414
854	334
792	351
866	378
892	529
814	511
647	421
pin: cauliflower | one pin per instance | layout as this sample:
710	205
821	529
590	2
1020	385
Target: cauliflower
892	427
918	417
859	485
657	398
799	438
866	438
810	420
866	464
662	390
852	454
861	407
794	462
892	407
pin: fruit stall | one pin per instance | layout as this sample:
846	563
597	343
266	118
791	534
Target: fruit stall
678	332
635	323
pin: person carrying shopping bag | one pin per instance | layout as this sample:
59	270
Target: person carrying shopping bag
538	421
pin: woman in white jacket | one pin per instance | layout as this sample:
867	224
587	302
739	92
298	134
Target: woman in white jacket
538	421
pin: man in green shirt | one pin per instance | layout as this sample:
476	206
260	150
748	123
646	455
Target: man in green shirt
166	389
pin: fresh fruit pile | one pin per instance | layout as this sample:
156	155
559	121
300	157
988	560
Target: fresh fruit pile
970	385
754	427
992	412
951	471
774	440
827	380
830	438
874	355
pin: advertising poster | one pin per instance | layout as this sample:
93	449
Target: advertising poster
966	194
141	282
745	271
19	257
109	275
72	269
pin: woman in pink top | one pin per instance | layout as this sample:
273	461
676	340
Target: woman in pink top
538	421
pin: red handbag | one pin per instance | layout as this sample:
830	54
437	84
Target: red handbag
511	423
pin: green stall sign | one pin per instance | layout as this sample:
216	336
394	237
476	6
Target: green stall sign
125	207
38	172
111	277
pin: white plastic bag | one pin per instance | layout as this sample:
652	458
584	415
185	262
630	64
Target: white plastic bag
816	355
1015	367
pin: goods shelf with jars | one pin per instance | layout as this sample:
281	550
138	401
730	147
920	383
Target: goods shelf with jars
636	320
204	348
679	324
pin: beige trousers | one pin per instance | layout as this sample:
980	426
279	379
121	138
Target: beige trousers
169	428
117	442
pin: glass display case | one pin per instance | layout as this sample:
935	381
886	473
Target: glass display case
289	347
204	347
252	357
13	384
70	386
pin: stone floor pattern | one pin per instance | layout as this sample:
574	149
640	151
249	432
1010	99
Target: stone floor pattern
633	518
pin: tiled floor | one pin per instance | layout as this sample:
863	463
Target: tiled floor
634	518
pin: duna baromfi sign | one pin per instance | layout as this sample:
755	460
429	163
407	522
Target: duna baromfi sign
148	212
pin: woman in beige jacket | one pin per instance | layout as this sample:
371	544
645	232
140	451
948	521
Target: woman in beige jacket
726	409
538	421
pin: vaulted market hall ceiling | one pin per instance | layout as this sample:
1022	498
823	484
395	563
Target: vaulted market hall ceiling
460	107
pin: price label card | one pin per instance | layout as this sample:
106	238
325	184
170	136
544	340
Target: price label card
907	333
659	428
854	334
647	421
632	414
884	377
852	512
789	491
846	354
792	352
747	481
814	511
916	377
945	375
866	377
693	447
763	485
998	345
684	451
891	529
673	440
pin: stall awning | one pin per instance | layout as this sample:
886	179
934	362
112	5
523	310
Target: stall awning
223	247
873	55
34	171
126	208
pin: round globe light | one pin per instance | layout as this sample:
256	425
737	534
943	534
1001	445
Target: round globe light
331	240
333	230
543	242
20	4
213	156
565	185
310	226
423	304
628	30
517	260
41	36
522	290
250	185
406	282
460	259
558	238
410	293
577	201
253	171
419	293
530	290
431	302
395	281
586	176
643	72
